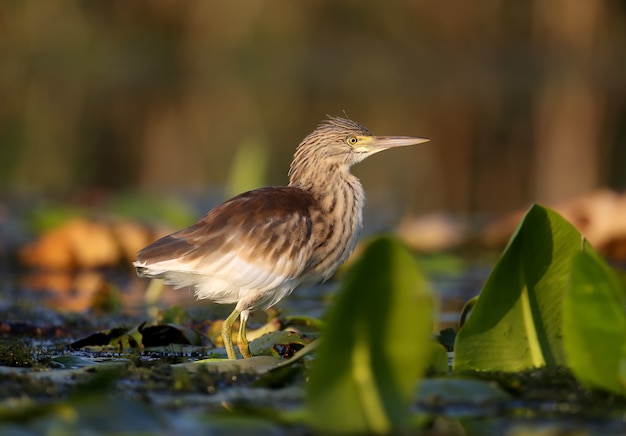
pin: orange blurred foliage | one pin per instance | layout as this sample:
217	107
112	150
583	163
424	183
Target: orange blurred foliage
86	243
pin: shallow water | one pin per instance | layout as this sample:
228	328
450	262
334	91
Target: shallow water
46	321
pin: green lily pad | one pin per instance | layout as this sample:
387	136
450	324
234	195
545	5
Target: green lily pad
517	320
118	337
594	325
166	334
375	347
253	365
274	343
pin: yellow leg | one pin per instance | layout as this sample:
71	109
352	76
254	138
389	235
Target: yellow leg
244	346
227	333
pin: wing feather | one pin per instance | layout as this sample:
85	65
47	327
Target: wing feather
258	240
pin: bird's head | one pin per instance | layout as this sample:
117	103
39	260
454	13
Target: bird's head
340	142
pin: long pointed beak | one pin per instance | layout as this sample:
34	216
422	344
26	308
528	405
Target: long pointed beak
380	143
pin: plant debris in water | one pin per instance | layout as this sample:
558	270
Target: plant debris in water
151	374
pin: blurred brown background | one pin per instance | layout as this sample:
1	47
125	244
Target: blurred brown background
523	101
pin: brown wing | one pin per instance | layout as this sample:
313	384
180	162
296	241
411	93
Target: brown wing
256	240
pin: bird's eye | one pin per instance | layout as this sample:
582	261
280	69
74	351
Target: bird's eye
352	140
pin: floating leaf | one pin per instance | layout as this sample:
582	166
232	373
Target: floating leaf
253	365
594	324
516	322
375	347
305	321
277	343
103	338
165	334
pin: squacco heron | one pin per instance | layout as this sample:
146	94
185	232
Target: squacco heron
256	248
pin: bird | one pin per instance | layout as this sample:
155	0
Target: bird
256	248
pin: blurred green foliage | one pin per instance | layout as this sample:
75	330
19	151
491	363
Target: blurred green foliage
376	347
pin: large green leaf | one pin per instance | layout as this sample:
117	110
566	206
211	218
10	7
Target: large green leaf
516	322
375	347
594	324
